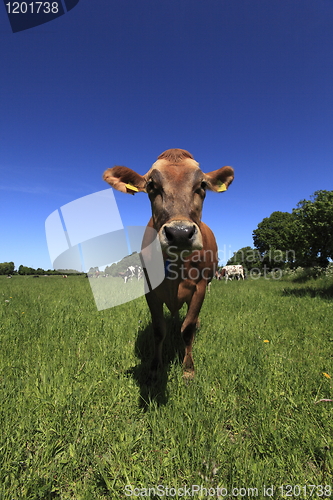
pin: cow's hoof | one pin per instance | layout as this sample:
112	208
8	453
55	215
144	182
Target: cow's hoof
188	375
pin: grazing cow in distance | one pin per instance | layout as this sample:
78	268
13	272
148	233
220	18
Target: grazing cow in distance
128	274
233	271
131	272
123	274
140	272
176	187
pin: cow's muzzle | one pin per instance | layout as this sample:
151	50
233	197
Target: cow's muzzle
180	235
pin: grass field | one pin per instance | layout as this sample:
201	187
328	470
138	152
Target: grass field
78	422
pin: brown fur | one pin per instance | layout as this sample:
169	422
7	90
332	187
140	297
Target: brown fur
177	193
175	155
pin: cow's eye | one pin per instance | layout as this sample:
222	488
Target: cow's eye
152	188
201	188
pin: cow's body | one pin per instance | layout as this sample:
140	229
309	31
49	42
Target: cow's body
176	187
128	274
131	272
230	272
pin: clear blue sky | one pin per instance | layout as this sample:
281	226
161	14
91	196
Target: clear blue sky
247	83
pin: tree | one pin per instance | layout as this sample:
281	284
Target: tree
111	270
123	264
7	267
277	231
314	223
26	270
248	257
303	237
275	238
93	270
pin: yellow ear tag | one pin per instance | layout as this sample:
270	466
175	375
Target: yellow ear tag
222	188
131	188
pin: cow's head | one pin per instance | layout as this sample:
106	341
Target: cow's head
176	188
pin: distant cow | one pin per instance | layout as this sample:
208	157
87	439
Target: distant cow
139	272
64	276
233	271
128	274
131	272
176	187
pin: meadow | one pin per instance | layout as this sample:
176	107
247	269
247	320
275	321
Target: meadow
77	420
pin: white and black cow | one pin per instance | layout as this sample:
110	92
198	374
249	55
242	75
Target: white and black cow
131	272
230	272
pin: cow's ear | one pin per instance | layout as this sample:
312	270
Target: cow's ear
219	180
125	180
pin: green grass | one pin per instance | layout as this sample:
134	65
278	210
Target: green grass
78	422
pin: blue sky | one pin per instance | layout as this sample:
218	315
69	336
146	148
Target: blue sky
246	83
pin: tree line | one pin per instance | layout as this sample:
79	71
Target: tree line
8	268
302	238
118	267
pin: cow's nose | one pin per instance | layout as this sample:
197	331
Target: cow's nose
180	234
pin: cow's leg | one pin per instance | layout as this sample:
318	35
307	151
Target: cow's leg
159	331
189	326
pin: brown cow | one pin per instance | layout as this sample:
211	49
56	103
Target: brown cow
176	188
